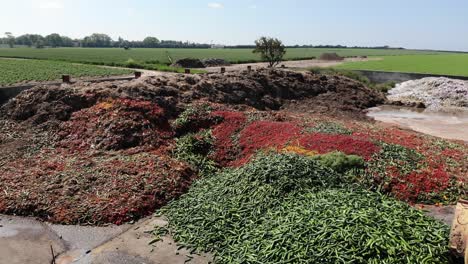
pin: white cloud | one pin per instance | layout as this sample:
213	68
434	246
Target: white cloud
50	4
215	5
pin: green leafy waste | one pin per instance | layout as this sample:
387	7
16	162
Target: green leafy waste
285	208
329	128
194	148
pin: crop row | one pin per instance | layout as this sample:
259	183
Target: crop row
16	71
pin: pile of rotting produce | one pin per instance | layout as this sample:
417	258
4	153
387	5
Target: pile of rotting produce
282	187
114	152
440	94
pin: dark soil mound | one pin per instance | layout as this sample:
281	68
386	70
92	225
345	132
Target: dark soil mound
42	104
275	89
188	63
331	57
263	89
213	62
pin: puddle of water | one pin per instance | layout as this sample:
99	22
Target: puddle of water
440	124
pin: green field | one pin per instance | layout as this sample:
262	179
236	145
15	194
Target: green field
14	71
447	64
51	62
117	56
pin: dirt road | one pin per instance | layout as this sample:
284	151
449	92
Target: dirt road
299	64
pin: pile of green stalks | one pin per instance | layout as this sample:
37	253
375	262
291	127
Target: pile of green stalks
285	208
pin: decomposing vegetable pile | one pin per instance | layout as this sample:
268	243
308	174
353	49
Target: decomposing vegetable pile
404	164
103	153
286	208
108	164
311	190
317	186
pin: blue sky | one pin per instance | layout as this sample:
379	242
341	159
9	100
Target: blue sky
425	24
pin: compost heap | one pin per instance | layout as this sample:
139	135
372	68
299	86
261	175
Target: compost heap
99	153
188	63
331	57
261	89
214	62
242	177
434	93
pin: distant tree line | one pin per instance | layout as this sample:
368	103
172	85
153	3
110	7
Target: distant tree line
96	40
317	46
344	47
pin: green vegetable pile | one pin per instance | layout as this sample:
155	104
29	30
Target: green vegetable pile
329	128
286	208
194	148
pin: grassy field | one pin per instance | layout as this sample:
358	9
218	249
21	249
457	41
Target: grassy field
157	59
447	64
15	71
117	56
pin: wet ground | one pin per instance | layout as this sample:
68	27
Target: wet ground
453	125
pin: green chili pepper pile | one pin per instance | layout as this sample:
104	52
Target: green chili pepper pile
284	208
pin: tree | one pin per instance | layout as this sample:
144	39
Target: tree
271	50
40	43
150	42
119	43
30	40
97	40
24	40
54	40
67	42
37	40
10	39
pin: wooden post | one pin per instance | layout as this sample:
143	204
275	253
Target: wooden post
66	78
137	74
187	71
223	70
249	68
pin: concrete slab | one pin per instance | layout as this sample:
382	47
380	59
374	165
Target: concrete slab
86	237
25	240
133	247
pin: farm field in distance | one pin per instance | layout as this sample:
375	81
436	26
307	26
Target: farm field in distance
16	70
446	64
147	55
